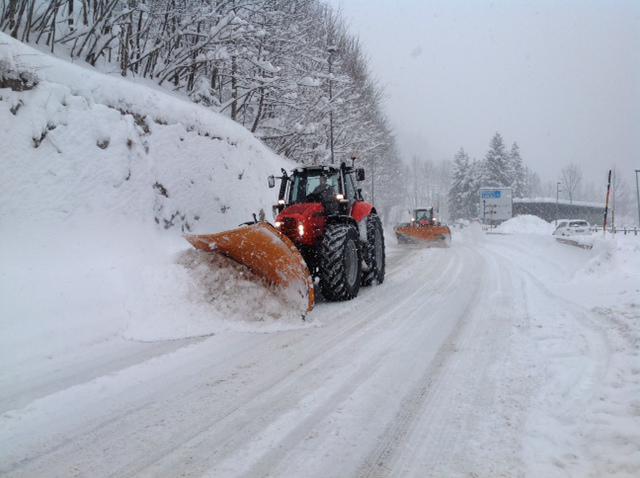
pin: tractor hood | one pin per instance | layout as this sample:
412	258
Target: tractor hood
302	223
301	211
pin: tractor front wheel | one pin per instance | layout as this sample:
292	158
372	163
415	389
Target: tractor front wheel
340	268
375	257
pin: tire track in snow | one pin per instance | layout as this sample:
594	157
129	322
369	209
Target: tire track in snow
239	429
306	427
86	446
380	462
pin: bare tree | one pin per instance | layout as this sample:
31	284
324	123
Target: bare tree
571	178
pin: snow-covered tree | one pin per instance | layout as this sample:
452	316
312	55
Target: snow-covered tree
497	171
462	187
288	70
571	178
518	172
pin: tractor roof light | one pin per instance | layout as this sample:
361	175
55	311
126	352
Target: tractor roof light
281	202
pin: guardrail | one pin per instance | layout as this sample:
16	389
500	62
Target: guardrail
619	230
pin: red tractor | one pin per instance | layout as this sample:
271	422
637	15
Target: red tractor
325	234
338	233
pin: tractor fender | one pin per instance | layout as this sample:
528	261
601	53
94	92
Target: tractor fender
361	210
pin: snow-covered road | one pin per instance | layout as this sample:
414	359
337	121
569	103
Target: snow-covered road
465	362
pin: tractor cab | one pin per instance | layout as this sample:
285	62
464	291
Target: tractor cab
333	187
423	217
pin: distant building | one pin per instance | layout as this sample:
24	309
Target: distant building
546	209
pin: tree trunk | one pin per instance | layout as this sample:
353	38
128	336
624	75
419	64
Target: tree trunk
234	89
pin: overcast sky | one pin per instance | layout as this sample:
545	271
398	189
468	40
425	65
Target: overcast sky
560	78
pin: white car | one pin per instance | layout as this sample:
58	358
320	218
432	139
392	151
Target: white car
572	227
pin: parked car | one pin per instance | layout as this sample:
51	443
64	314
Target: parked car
572	227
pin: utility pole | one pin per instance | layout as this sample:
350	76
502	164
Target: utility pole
638	195
484	211
557	198
606	206
331	50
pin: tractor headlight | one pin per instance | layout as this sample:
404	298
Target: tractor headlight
339	197
278	224
301	230
281	202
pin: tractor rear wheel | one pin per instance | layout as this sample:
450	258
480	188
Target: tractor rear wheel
339	267
374	257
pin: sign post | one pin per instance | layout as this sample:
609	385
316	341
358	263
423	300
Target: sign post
497	204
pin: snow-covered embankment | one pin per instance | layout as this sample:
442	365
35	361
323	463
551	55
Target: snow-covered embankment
100	178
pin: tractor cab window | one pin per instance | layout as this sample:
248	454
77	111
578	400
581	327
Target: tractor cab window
312	186
423	215
349	188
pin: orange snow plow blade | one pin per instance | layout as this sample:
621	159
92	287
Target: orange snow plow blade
267	253
440	235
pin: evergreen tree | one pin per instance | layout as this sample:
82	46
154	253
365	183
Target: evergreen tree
496	164
476	181
518	172
461	186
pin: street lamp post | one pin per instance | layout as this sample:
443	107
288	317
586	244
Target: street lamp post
331	51
638	195
557	198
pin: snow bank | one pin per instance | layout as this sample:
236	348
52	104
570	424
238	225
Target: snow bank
83	143
100	178
525	224
612	271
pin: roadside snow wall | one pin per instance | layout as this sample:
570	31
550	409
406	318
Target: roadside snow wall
100	178
75	142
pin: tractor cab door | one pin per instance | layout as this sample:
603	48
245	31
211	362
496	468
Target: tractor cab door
350	193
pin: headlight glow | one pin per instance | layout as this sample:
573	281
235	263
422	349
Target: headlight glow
301	230
278	224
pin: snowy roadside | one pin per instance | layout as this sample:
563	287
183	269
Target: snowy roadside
101	177
582	348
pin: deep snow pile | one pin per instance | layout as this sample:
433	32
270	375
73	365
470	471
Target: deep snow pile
612	272
607	284
100	177
525	224
83	143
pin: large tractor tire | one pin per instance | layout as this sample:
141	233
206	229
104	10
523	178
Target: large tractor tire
340	269
374	255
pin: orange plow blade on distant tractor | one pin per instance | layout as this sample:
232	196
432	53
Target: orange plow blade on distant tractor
423	229
325	236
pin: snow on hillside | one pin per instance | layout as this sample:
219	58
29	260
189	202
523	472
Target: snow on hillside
100	178
82	143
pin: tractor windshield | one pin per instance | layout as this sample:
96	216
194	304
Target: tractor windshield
423	215
314	186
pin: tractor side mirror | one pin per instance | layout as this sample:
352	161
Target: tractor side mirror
272	181
360	174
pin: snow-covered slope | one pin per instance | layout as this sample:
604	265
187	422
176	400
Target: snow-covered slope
85	144
100	178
